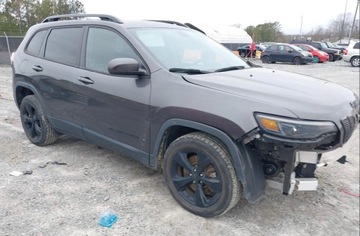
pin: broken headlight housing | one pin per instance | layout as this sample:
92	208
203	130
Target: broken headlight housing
294	128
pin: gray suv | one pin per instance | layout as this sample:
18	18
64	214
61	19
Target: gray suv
177	101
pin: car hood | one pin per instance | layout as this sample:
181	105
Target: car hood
306	97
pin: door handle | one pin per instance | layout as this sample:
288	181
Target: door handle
85	80
37	68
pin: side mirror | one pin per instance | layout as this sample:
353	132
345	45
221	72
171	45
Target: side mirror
310	50
125	66
290	50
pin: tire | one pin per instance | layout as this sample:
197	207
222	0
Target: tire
200	175
265	59
331	57
242	54
37	128
355	61
297	61
316	59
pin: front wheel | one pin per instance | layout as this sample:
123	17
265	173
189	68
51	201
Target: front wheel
200	175
331	57
355	61
37	128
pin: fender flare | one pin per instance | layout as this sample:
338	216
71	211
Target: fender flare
25	85
247	166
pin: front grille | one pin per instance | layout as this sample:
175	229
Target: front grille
349	123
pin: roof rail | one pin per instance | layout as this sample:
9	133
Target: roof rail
101	16
170	22
187	25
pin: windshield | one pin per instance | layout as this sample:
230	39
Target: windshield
324	45
181	50
296	48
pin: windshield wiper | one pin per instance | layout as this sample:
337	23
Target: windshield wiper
230	68
188	71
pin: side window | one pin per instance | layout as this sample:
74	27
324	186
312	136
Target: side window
64	45
272	48
357	45
35	43
102	46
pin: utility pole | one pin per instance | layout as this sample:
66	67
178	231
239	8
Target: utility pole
343	23
352	26
302	15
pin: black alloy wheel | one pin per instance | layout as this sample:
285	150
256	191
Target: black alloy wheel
36	126
200	175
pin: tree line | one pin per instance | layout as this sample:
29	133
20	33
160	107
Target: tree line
338	28
16	16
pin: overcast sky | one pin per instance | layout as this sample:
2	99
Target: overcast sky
289	13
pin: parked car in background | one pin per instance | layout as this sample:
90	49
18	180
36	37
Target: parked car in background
283	52
334	54
353	54
342	49
244	51
318	55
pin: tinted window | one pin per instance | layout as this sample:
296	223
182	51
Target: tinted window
102	46
36	42
357	45
63	45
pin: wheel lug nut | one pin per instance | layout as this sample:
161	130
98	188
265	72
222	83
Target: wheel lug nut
194	181
190	174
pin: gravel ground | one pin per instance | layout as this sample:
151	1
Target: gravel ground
73	183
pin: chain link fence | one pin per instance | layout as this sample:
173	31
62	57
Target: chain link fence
8	45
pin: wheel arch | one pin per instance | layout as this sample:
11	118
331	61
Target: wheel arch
354	57
21	90
247	167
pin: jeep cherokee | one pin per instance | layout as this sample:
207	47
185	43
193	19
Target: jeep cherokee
177	101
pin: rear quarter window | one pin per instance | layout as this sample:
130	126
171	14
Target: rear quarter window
357	45
64	45
35	43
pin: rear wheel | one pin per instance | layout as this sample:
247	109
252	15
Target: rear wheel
265	59
331	57
37	128
297	61
355	61
200	175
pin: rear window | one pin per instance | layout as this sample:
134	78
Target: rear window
64	45
35	43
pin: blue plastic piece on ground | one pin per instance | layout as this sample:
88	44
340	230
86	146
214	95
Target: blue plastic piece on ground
107	220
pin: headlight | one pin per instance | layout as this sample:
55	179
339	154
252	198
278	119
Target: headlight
294	129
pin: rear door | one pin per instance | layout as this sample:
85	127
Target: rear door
56	78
